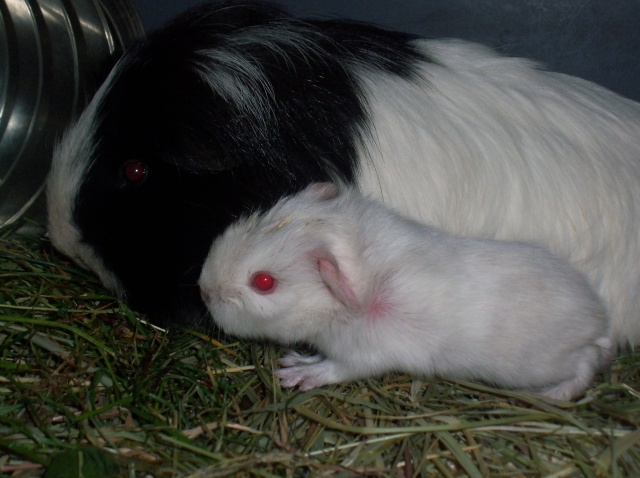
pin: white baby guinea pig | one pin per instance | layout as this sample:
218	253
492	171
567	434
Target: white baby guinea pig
375	292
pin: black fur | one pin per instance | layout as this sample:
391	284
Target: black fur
209	160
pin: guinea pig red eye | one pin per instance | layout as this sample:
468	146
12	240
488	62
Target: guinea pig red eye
135	171
263	282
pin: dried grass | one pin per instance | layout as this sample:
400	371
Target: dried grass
78	367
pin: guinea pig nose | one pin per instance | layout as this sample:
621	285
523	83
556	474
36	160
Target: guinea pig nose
205	294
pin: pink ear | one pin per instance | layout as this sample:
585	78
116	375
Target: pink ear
337	283
323	191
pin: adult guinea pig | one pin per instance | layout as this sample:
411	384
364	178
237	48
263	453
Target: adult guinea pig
375	292
233	106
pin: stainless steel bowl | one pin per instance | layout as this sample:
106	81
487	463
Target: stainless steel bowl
53	56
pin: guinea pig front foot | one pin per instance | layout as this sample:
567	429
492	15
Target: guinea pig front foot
308	371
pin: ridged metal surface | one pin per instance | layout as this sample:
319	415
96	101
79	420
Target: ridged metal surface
53	56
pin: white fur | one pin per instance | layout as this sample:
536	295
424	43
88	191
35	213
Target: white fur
70	164
424	302
490	146
240	79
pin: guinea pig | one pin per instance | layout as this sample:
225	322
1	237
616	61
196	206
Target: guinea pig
375	292
233	106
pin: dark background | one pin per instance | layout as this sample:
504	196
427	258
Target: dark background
594	39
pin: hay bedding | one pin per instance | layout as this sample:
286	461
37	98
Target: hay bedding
77	367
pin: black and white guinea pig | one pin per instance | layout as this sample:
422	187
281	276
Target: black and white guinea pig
235	105
374	292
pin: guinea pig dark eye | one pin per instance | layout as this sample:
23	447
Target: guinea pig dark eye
135	171
263	283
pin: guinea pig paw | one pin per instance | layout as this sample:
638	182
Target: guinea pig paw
308	376
294	376
292	358
288	379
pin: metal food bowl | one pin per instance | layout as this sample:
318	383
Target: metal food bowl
54	54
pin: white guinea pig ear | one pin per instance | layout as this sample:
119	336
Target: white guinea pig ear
336	282
323	191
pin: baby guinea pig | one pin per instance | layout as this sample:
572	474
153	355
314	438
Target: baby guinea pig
375	292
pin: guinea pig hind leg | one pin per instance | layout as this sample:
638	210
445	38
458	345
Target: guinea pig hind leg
568	389
291	358
582	380
307	372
